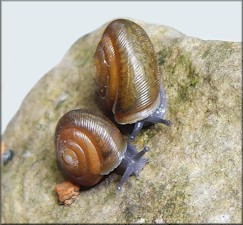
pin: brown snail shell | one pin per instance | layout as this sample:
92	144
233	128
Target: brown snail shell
85	146
127	72
89	146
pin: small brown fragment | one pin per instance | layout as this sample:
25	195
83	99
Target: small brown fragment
2	147
67	192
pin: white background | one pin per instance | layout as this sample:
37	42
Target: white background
36	35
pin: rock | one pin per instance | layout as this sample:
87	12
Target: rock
194	174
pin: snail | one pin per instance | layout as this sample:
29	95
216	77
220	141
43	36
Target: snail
127	76
88	146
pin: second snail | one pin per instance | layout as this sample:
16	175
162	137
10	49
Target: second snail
127	76
88	146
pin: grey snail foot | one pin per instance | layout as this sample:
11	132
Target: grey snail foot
152	120
155	117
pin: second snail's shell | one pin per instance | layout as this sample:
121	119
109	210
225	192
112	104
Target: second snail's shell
127	72
88	146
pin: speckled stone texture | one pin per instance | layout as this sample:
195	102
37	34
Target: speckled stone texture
194	174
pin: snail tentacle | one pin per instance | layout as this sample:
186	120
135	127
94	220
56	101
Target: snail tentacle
137	127
133	163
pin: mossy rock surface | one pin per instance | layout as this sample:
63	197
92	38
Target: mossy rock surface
194	174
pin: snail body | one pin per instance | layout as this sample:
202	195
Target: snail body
89	146
127	75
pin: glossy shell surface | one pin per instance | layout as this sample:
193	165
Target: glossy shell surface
127	72
88	146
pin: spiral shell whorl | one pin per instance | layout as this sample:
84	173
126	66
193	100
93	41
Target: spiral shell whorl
127	72
88	146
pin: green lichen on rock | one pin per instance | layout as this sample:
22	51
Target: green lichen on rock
194	170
